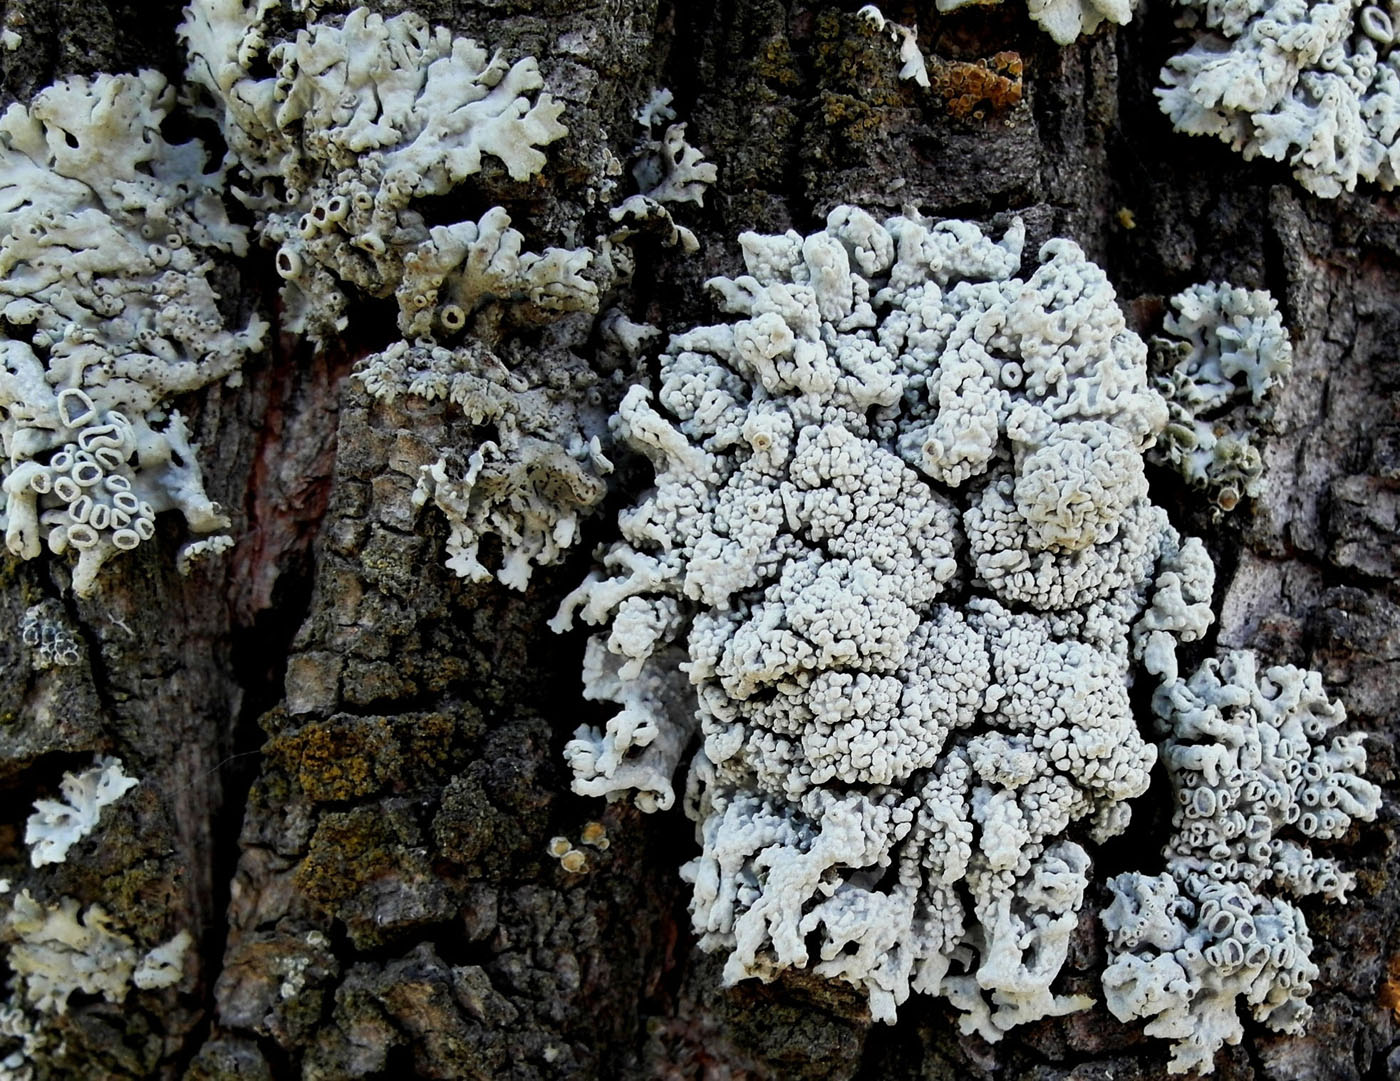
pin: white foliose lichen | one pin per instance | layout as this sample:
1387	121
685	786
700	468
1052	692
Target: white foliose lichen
1063	20
898	567
540	470
530	498
1315	85
907	38
358	122
55	826
197	552
1223	355
55	951
524	460
666	169
1254	776
107	313
22	1041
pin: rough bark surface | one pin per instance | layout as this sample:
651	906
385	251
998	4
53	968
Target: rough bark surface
351	760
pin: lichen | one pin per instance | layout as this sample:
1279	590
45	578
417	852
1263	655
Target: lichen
105	235
56	951
1219	364
360	122
1254	775
901	570
1315	85
891	568
667	168
47	631
55	827
1063	20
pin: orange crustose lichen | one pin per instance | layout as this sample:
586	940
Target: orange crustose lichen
976	87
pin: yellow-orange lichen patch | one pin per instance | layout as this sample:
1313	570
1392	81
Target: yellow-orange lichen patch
594	833
1389	994
978	88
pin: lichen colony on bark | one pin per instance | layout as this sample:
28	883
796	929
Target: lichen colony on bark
953	621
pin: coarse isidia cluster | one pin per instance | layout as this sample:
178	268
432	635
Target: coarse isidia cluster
900	569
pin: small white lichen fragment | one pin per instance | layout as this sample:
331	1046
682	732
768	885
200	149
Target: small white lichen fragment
1222	357
25	1038
55	827
1065	20
164	965
46	630
907	38
633	755
670	170
666	169
200	551
529	498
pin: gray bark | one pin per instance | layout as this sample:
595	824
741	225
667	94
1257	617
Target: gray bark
351	759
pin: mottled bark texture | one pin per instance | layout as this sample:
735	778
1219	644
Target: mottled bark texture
351	760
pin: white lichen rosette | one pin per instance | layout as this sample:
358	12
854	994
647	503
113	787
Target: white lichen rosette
898	567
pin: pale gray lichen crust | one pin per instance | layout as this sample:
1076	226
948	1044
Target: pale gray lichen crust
1219	362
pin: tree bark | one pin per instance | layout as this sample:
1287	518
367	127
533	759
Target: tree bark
351	759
